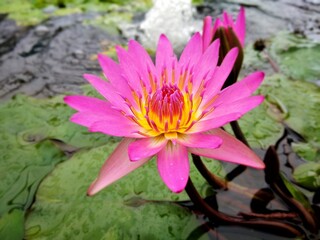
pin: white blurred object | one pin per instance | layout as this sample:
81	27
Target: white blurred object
174	18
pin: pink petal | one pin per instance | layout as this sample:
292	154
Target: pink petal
146	148
220	75
173	166
113	73
242	106
116	126
207	33
227	20
164	51
142	59
241	89
240	26
199	140
165	57
130	69
205	125
232	150
88	118
207	64
85	103
116	166
216	25
192	52
107	91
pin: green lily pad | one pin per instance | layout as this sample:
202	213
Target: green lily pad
308	175
260	128
300	104
12	225
298	58
34	134
37	137
292	103
290	99
128	209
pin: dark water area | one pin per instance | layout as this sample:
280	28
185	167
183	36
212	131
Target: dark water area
254	195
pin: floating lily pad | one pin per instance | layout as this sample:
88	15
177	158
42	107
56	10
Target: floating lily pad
308	175
34	134
300	103
297	57
37	136
289	98
128	209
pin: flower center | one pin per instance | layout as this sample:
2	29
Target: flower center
166	107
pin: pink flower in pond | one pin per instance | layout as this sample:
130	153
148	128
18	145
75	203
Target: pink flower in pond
231	34
230	28
167	109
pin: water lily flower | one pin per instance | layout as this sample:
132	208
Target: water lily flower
167	109
232	29
231	34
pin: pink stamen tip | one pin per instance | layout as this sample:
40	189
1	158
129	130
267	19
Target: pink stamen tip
178	124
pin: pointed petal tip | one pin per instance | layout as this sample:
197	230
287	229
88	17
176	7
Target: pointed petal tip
88	76
92	190
260	165
163	37
197	34
242	11
259	74
176	189
235	50
262	75
261	98
100	56
66	99
207	19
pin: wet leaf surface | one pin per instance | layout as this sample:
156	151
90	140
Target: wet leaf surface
39	136
308	175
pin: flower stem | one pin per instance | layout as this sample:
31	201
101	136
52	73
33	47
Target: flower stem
238	133
213	180
273	178
280	228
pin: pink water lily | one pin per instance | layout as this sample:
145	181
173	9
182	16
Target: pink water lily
231	35
238	27
167	109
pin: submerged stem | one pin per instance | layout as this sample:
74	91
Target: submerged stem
280	228
238	132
